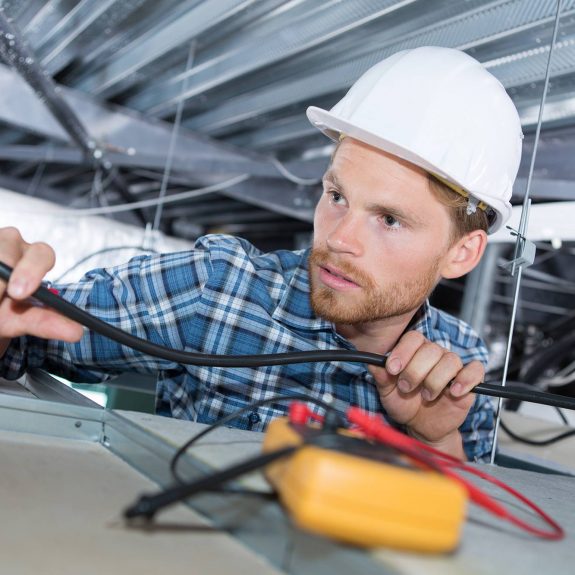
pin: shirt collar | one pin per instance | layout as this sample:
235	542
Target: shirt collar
421	321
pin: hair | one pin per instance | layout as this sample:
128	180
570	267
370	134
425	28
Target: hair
462	222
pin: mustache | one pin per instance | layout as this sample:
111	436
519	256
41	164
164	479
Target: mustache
321	257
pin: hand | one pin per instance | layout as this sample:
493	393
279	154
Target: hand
17	317
414	390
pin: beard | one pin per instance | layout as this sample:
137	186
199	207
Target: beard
372	302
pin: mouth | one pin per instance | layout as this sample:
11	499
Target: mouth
336	279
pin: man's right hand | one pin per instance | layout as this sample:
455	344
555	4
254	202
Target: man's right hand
30	263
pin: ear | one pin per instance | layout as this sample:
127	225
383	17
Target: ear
464	254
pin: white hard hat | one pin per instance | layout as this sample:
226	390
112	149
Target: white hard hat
441	110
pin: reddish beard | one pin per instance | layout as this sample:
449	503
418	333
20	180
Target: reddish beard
369	302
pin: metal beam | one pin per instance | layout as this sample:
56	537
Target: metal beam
467	30
40	190
280	197
169	36
311	23
276	134
545	189
59	44
136	141
16	52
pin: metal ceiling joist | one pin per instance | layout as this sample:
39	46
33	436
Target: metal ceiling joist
142	142
16	52
320	22
529	66
280	197
546	189
119	38
85	24
466	30
65	25
160	41
557	109
123	27
340	46
275	133
28	188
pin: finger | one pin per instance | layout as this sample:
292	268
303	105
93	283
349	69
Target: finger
442	373
11	248
470	376
385	382
403	351
38	321
419	366
29	270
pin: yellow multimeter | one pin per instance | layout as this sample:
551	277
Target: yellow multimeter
347	488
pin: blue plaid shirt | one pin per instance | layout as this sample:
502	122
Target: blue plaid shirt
226	297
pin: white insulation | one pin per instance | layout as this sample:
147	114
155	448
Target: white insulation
75	237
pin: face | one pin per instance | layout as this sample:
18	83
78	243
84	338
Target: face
380	238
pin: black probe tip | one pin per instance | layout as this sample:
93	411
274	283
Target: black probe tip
143	508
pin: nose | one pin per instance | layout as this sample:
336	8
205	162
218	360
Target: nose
346	236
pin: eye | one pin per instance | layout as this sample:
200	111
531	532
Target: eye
390	221
336	197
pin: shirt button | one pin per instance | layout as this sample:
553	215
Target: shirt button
254	418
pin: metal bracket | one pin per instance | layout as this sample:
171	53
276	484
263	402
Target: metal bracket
524	253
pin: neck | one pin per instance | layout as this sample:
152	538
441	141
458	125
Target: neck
377	336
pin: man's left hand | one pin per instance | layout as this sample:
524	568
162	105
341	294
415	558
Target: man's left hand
414	388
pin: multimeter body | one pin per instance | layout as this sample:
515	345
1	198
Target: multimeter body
347	488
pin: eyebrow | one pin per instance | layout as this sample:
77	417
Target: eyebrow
329	176
375	208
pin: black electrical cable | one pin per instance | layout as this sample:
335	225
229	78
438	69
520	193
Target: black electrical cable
536	442
73	312
234	415
522	394
148	505
562	416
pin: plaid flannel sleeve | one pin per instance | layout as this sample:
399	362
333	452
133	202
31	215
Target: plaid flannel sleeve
145	297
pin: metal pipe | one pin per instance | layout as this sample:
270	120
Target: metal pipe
20	57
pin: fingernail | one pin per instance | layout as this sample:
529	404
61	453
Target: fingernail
404	386
456	389
17	288
393	366
426	394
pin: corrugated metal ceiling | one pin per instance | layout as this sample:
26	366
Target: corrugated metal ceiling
239	74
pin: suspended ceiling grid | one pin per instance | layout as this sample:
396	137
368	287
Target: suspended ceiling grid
236	77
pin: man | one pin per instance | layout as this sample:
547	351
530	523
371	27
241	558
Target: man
428	147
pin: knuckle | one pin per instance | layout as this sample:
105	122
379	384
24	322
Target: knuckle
454	360
10	234
45	251
12	245
477	367
433	349
416	337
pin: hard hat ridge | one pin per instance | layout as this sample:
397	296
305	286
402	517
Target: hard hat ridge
441	110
